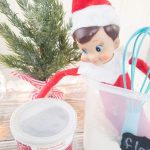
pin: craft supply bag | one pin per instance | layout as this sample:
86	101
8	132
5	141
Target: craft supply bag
111	111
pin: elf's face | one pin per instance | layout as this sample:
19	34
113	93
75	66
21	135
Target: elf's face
99	50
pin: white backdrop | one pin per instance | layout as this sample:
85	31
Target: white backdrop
133	15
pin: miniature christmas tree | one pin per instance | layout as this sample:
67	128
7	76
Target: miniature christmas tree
43	46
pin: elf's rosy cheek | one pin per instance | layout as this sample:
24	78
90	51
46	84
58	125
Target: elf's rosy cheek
104	57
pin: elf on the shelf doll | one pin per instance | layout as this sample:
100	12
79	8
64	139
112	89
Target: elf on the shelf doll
96	31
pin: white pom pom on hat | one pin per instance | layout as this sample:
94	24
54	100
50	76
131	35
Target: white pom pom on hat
86	13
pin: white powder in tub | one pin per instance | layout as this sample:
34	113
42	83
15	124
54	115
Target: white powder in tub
46	123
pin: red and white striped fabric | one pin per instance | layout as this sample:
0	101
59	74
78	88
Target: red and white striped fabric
36	83
53	93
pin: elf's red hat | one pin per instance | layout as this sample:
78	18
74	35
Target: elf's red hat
86	13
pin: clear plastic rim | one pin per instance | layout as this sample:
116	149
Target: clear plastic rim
25	138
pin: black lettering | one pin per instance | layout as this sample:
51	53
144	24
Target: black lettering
133	142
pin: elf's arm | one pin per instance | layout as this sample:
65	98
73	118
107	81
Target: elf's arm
55	79
141	65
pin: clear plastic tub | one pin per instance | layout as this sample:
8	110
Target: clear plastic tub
111	111
45	124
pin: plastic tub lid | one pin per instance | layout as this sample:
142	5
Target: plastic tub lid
43	121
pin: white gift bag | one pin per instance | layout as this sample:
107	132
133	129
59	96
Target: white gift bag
109	112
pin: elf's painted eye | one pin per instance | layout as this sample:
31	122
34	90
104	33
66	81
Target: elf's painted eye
84	51
99	48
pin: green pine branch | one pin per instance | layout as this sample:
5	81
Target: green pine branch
43	46
13	18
